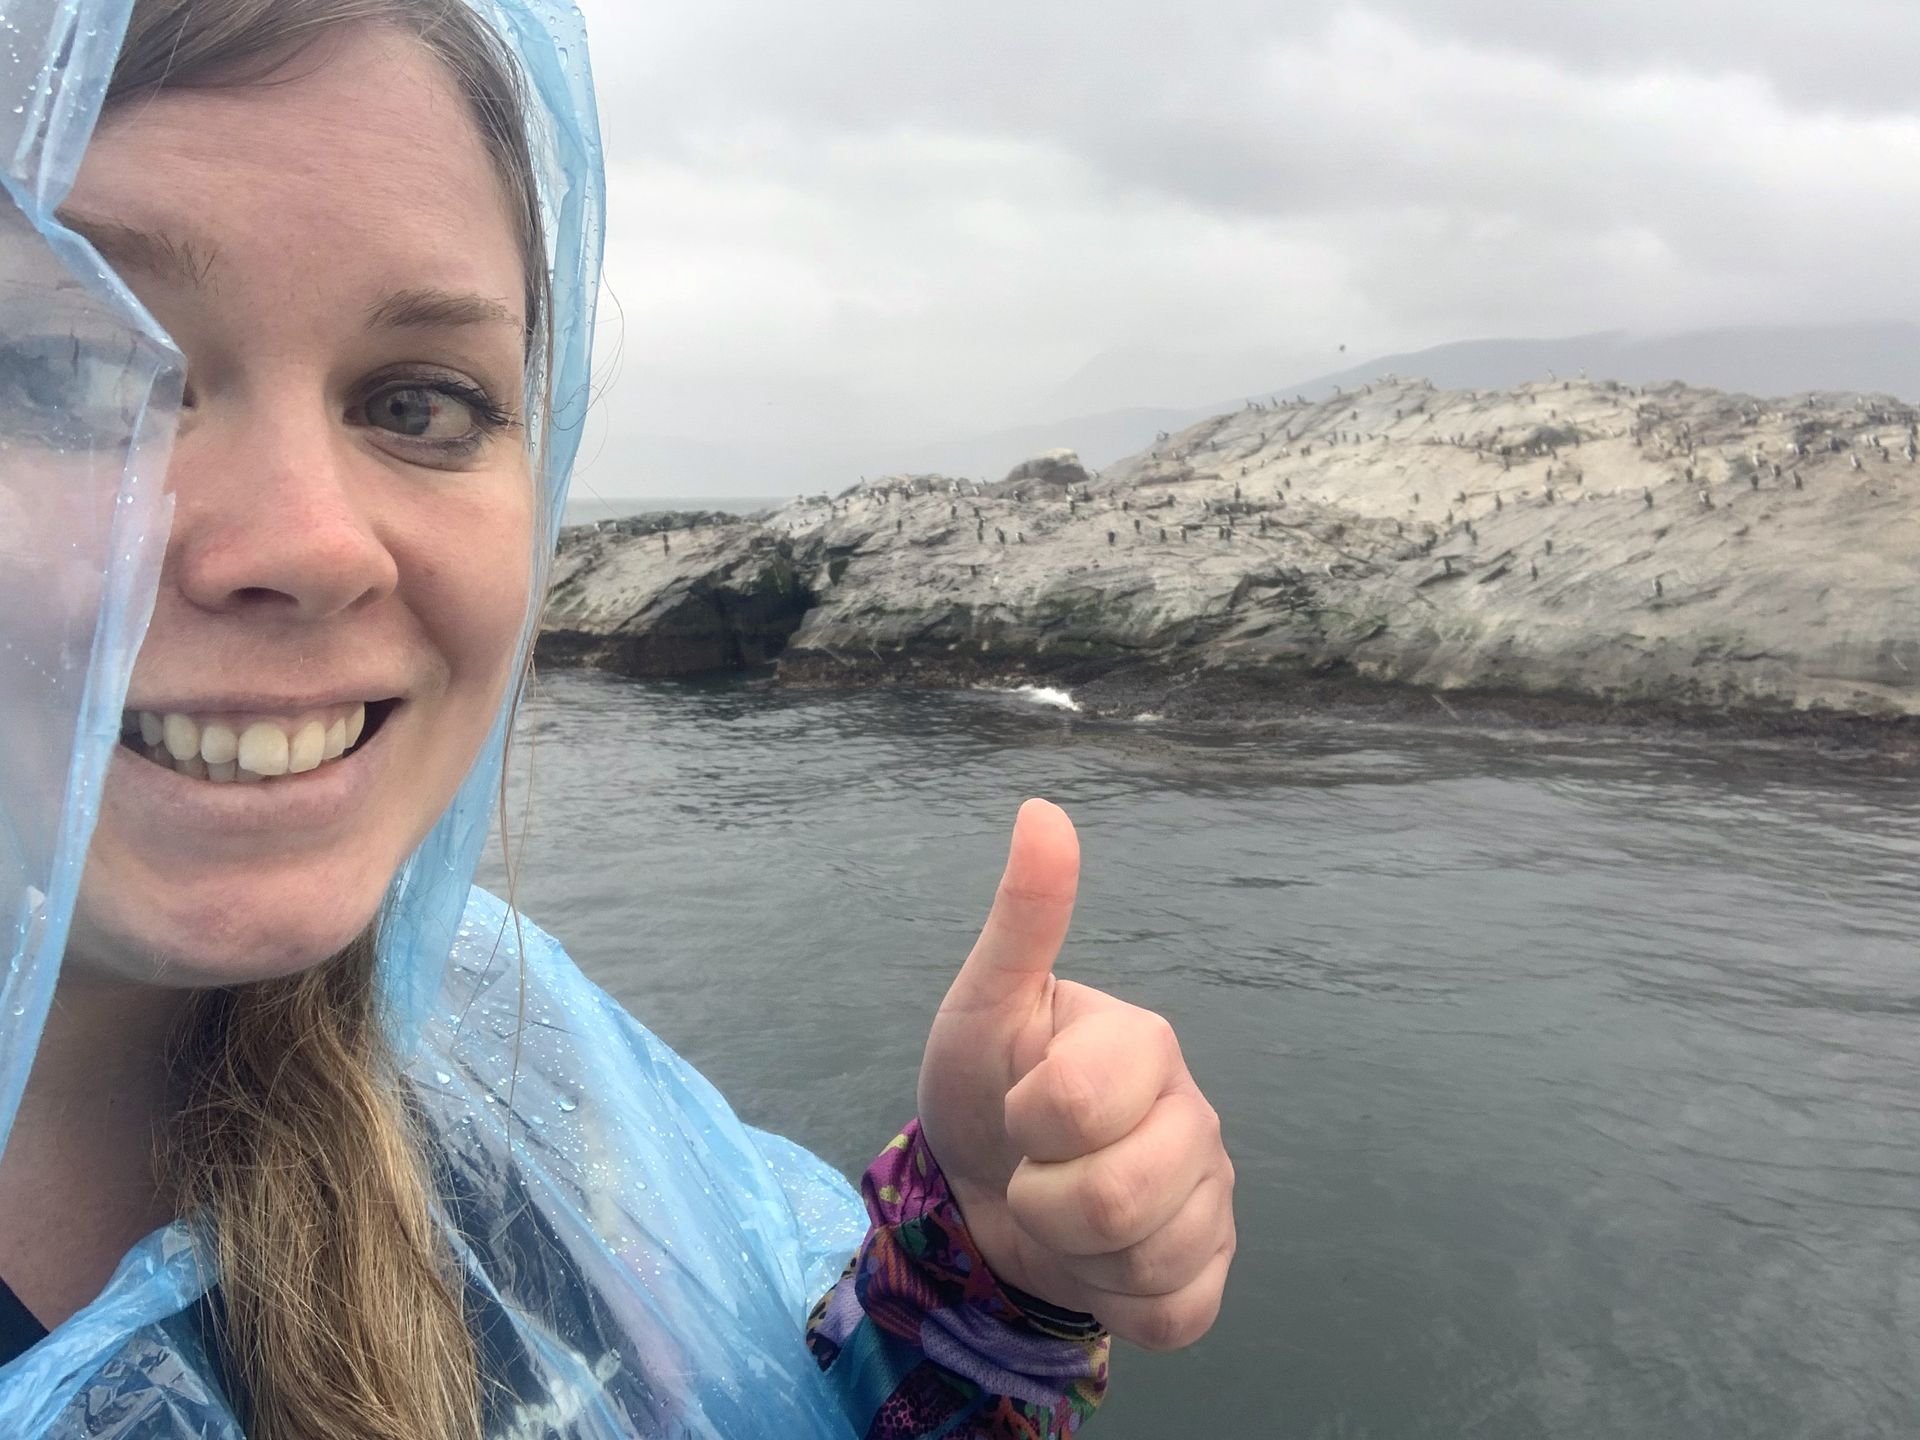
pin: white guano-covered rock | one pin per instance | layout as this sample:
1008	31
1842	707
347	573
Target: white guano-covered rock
1675	547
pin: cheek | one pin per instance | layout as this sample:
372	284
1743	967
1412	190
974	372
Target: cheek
463	555
467	582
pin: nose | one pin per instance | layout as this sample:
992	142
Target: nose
273	516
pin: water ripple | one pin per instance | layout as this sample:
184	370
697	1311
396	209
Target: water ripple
1573	1081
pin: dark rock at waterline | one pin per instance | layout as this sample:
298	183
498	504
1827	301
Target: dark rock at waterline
720	594
1677	549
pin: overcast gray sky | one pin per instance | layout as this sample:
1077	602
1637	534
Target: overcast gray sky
856	223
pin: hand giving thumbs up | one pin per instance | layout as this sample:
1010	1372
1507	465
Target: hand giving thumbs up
1086	1161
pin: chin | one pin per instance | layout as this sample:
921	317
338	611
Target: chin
233	930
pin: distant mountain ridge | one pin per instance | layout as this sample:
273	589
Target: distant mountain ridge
1879	358
1867	359
1876	359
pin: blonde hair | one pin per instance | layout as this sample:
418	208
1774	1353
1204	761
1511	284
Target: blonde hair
340	1310
341	1303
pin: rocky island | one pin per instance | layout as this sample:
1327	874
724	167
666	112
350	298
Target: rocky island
1568	548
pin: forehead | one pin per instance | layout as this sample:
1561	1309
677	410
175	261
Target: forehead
360	163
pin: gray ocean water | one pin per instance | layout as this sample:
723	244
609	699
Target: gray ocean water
1574	1083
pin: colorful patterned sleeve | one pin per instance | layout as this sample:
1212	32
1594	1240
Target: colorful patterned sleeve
923	1341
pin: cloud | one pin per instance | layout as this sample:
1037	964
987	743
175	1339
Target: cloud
857	221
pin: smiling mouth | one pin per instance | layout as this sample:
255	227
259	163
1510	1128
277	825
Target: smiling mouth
252	748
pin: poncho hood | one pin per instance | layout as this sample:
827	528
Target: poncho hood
84	516
637	1260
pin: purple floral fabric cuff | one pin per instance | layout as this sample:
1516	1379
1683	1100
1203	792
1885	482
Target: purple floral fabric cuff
922	1339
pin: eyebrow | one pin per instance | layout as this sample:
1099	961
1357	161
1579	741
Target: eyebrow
126	247
440	308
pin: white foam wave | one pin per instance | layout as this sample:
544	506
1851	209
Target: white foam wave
1046	695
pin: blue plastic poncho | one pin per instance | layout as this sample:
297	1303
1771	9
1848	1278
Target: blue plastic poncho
646	1258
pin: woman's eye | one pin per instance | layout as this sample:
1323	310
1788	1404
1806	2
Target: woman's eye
421	413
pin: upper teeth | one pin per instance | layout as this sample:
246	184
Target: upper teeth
230	748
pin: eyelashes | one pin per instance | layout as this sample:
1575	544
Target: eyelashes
442	417
487	413
62	390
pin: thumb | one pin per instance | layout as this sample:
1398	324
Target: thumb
1031	912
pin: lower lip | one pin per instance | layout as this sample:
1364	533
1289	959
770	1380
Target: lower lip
314	800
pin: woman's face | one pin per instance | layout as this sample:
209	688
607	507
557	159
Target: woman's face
348	563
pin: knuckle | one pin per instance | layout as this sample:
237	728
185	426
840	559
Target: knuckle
1072	1097
1112	1203
1209	1127
1026	1201
1185	1321
1165	1327
1147	1269
1158	1037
